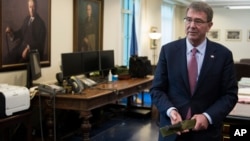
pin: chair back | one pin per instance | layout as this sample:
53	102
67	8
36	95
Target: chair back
242	70
245	60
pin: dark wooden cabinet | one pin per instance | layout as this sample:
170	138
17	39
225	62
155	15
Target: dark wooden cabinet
240	115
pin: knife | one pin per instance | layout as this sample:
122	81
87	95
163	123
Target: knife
183	125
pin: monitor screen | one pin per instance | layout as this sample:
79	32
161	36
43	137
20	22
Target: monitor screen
71	64
107	59
33	67
90	61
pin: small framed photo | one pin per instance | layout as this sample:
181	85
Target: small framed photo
248	35
233	35
214	34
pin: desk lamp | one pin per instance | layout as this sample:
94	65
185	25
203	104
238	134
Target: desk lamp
154	36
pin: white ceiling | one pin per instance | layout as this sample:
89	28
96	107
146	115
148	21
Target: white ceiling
213	3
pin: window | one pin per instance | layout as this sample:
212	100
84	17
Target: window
127	13
167	23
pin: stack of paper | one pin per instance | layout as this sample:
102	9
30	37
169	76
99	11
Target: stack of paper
244	82
244	91
244	95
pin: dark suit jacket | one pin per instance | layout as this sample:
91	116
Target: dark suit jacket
34	35
37	37
215	92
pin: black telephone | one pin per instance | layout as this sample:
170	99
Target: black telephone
77	84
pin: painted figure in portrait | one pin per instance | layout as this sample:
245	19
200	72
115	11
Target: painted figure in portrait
88	25
31	35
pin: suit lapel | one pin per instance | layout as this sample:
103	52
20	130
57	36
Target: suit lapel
208	62
183	63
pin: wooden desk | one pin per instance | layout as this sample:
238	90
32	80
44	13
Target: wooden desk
21	117
240	115
92	98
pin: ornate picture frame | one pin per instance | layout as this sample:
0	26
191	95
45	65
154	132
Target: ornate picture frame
214	34
233	35
88	25
15	43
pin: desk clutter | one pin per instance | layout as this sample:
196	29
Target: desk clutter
244	95
76	84
244	90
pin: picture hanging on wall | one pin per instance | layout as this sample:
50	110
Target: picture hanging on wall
248	35
214	34
25	26
88	25
233	35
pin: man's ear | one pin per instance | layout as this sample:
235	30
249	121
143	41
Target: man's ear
210	24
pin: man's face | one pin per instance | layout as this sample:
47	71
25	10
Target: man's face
196	26
32	8
89	10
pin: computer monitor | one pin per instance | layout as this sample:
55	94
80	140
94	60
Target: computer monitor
71	64
107	60
90	61
33	67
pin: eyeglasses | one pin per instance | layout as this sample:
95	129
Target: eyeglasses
197	22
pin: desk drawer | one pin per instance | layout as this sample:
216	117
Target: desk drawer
226	138
226	129
133	90
226	132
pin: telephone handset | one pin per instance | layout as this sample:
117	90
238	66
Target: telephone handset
77	84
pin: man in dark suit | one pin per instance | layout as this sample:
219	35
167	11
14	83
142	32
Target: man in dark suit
215	86
30	36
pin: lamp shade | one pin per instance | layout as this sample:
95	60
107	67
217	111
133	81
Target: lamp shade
155	35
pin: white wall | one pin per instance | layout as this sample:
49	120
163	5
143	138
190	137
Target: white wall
112	28
225	19
62	34
151	17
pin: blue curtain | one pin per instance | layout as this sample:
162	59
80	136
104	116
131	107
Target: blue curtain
133	44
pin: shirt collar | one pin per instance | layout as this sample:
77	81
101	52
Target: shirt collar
200	48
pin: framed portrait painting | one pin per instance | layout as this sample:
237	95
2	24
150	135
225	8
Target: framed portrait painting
25	26
233	35
88	25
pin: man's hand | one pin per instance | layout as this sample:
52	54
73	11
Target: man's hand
85	40
201	122
9	32
25	52
175	118
8	29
